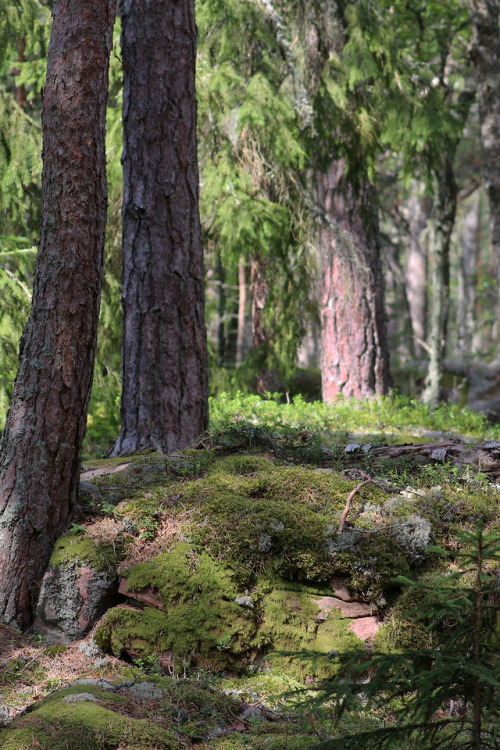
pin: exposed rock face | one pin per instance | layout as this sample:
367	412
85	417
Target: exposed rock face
72	599
347	609
365	628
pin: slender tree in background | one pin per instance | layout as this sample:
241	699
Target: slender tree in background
485	54
467	276
42	441
164	357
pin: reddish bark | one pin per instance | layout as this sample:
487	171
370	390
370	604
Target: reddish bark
354	357
164	355
41	445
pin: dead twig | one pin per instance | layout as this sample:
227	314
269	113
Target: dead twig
366	480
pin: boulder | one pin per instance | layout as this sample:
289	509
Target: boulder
72	599
80	584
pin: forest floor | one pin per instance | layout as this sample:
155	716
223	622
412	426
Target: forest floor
69	695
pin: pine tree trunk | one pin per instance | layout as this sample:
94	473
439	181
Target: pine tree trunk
444	220
416	268
467	278
485	53
164	351
354	357
242	306
266	380
42	441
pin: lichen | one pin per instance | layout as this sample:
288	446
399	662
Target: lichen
414	536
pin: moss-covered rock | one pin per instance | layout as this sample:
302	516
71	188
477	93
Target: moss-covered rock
79	585
74	549
196	620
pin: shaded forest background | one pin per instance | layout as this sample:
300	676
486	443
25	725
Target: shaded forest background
284	91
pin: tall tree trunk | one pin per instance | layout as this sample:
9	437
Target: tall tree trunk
418	214
485	53
266	380
242	306
444	220
399	326
354	357
164	351
221	313
41	444
467	277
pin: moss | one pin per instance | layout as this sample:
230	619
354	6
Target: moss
104	719
54	651
241	464
282	737
301	640
74	548
201	623
85	725
279	517
158	469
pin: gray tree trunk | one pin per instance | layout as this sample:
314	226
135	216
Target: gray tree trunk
241	345
42	441
164	350
418	215
467	277
444	219
485	53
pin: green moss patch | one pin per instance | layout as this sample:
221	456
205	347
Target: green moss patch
74	549
84	725
149	713
200	621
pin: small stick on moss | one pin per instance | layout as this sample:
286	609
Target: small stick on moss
348	503
366	480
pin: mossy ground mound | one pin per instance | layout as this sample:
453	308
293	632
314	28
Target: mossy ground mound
226	564
153	713
257	540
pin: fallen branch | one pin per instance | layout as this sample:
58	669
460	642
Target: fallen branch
367	480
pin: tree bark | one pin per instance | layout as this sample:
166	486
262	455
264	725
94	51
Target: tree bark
467	278
41	445
418	214
354	357
267	379
164	351
242	306
444	220
485	53
221	313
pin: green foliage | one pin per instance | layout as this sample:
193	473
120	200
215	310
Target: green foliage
386	417
461	611
252	161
